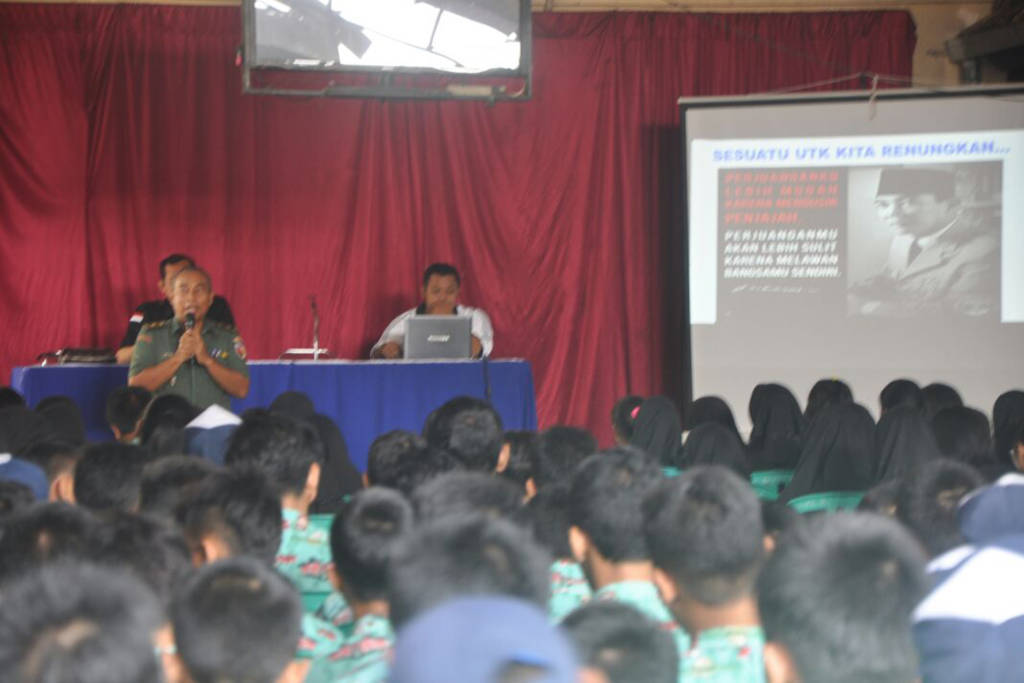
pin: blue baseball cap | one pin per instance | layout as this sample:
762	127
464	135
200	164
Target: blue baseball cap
24	472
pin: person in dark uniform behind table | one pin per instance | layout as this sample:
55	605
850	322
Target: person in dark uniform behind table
190	355
160	309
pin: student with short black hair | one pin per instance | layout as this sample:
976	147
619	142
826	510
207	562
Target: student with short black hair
548	517
78	623
466	493
238	620
167	480
453	556
928	500
108	477
561	450
437	428
288	453
124	411
229	514
836	599
162	431
362	538
57	459
14	496
707	541
402	461
522	449
883	498
607	532
45	533
10	397
622	644
477	439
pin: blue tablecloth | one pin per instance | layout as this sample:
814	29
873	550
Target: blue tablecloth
365	398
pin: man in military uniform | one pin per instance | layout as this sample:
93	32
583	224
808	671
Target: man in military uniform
942	259
160	310
190	355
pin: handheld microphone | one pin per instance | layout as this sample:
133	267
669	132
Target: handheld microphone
190	321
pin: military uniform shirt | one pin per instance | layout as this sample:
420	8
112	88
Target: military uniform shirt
569	589
731	654
305	557
362	657
158	341
160	311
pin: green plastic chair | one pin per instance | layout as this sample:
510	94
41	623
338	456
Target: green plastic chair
671	471
768	483
827	501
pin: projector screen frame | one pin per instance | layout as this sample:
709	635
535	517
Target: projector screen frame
685	104
411	83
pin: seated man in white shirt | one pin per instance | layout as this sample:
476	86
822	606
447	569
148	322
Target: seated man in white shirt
441	284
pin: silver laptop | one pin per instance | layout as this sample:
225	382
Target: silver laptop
438	336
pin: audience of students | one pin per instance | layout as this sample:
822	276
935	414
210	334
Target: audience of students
473	554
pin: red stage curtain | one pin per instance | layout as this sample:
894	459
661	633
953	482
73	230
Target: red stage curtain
124	137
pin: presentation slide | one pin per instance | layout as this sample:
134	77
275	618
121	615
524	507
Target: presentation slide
855	239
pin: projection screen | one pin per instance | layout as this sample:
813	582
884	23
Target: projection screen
856	237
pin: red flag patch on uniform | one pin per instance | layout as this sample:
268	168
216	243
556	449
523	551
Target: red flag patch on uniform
137	318
240	348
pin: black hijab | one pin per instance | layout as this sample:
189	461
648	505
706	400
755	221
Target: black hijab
838	452
938	396
339	476
826	392
21	428
658	431
777	428
711	409
903	443
1007	418
713	444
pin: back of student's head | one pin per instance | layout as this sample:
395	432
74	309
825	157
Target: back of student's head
624	645
837	595
163	424
165	481
658	431
238	511
901	393
454	556
522	452
704	529
826	392
45	533
10	397
109	477
605	498
927	502
883	498
466	493
64	418
547	515
281	448
78	623
20	428
437	429
125	407
363	537
151	549
236	620
711	409
54	457
624	414
476	438
389	456
560	452
938	396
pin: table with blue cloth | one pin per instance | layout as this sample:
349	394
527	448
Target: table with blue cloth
365	398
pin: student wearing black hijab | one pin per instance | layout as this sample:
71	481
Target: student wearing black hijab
963	434
658	431
826	392
903	443
712	444
901	393
711	409
777	427
339	477
1007	418
938	396
838	452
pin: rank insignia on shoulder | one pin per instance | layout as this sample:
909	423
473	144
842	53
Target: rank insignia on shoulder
239	348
